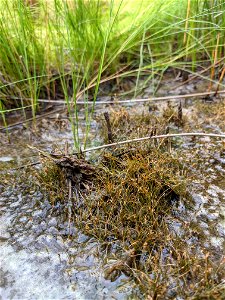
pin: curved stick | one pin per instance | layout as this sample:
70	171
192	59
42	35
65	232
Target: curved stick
155	137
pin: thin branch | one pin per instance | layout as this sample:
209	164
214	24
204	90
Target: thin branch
125	142
24	166
155	137
197	75
170	97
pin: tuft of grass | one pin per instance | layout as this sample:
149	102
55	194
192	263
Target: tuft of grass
66	49
131	211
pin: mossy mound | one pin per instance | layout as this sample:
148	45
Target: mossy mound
134	191
130	202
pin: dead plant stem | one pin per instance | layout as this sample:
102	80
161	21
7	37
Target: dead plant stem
155	137
170	97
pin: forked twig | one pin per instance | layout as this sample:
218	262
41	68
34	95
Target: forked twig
32	119
200	73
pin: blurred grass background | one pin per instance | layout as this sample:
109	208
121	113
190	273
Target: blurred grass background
65	49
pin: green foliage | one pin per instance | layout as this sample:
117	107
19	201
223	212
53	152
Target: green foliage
64	49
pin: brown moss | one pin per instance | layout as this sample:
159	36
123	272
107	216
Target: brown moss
53	180
126	124
130	207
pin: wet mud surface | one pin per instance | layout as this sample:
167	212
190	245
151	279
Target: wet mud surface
44	257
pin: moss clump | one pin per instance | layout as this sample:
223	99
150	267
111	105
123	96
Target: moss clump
135	190
130	202
53	180
131	211
131	124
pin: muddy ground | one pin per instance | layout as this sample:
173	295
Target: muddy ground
40	259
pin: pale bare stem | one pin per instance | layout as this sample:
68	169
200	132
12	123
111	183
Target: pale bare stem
198	74
155	99
220	80
162	136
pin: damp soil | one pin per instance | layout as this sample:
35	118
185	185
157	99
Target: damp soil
44	257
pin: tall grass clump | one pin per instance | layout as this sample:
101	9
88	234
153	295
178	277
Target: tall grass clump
22	58
66	49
